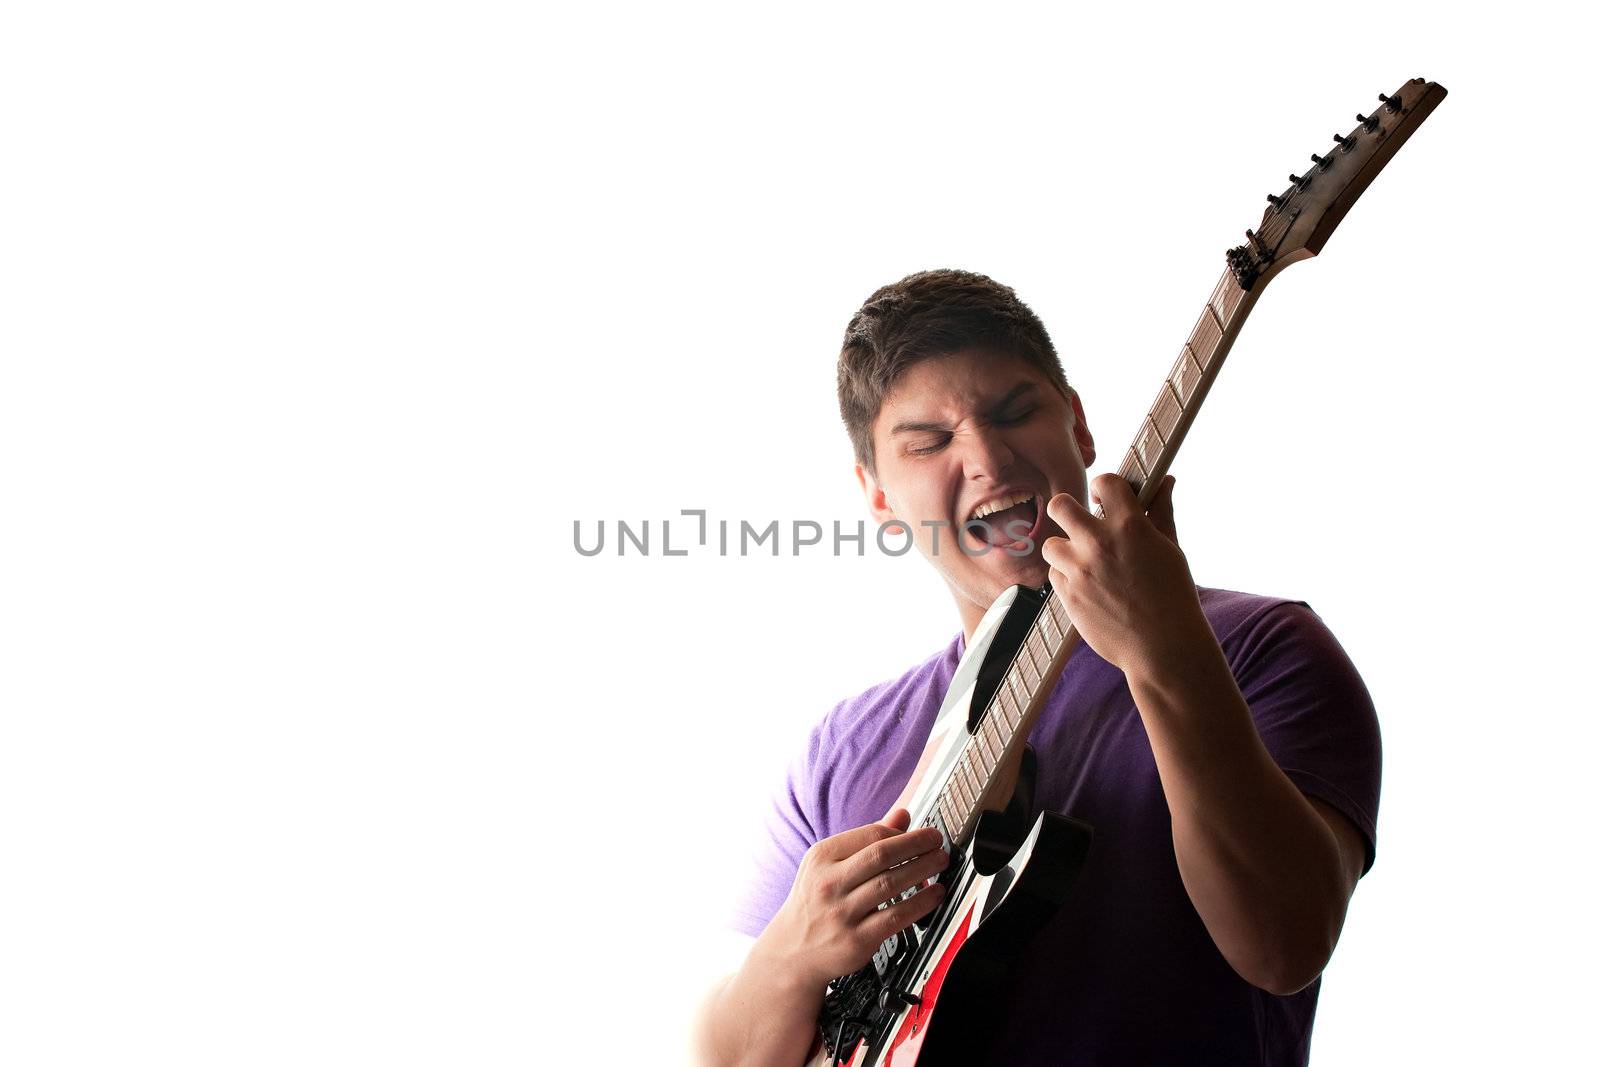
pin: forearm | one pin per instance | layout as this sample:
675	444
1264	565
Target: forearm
1260	865
760	1016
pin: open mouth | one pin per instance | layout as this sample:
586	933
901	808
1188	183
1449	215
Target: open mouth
1008	522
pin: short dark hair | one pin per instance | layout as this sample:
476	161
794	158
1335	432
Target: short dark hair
927	314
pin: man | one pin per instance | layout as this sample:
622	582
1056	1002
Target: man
1222	744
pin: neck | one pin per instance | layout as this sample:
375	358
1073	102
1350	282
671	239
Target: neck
971	615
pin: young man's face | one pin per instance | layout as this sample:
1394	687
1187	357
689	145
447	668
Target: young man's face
960	434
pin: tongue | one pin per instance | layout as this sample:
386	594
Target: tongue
1000	523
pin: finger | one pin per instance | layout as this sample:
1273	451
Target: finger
1057	551
1161	509
884	923
898	819
842	846
878	856
891	883
1113	493
1073	518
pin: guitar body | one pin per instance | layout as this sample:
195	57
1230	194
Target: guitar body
963	987
1002	887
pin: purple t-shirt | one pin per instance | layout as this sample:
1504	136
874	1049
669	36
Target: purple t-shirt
1126	972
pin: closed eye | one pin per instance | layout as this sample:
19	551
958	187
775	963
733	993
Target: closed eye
1015	418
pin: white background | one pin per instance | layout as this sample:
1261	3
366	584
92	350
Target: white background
322	323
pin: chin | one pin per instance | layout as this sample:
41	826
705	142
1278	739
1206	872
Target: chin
1030	570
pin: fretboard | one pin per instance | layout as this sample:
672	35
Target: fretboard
1051	639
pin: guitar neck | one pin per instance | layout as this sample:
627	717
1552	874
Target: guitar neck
1051	640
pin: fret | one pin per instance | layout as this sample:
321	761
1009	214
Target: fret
1166	412
1172	396
1010	712
973	781
1057	612
958	816
954	786
1018	692
1016	711
1132	470
1027	646
1011	716
1001	734
1226	298
1207	332
1148	446
1047	629
991	750
1022	670
980	760
959	808
963	791
1186	375
976	781
997	738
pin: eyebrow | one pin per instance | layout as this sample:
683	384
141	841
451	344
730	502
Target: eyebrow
998	406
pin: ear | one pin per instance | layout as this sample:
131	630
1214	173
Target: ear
1080	428
877	500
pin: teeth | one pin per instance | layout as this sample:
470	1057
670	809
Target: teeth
1001	504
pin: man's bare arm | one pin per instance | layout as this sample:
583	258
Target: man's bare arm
1269	871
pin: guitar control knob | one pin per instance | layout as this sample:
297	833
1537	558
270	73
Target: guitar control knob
890	998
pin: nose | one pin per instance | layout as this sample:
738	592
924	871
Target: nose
985	454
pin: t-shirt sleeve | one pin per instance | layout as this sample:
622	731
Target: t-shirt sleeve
791	826
1313	712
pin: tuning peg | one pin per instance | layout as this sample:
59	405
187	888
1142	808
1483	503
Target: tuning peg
1347	143
1296	178
1371	124
1394	102
1318	159
1260	245
1276	201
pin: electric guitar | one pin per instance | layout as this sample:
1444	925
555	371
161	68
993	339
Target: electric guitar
933	993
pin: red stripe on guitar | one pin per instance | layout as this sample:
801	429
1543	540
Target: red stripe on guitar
906	1045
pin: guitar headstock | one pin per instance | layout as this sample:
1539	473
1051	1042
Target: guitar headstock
1299	220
